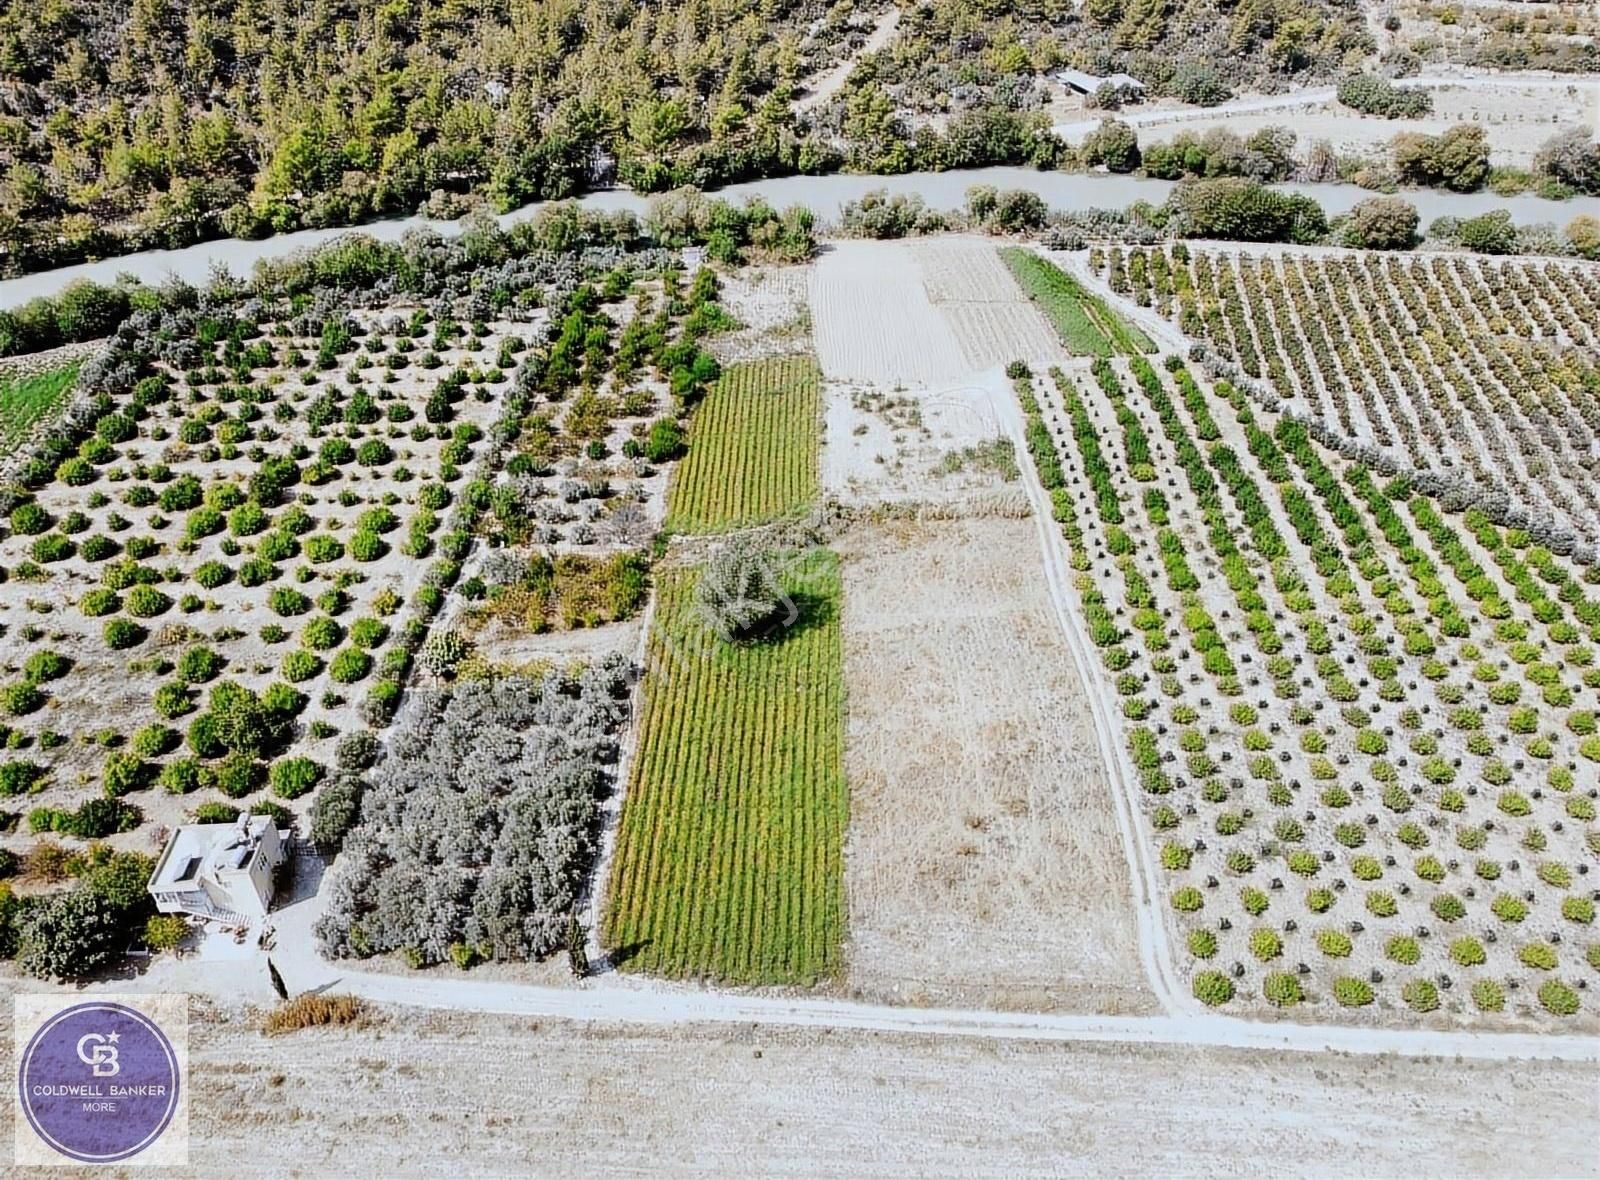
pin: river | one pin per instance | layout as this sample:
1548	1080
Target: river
822	194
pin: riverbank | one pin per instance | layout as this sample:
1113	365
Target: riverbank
823	195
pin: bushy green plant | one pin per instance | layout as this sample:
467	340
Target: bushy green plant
1350	992
1421	994
293	777
1281	989
1212	988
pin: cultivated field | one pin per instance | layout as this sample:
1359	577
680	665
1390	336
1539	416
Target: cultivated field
216	573
753	449
983	866
1364	733
728	859
26	398
1483	373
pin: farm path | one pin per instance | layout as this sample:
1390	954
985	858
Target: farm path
612	998
820	90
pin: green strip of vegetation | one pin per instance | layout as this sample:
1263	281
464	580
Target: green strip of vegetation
25	400
729	861
752	448
1086	323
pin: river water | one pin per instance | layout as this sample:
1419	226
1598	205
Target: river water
824	195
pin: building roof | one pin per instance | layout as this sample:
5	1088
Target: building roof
198	850
1089	83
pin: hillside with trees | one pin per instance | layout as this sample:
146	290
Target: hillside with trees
135	124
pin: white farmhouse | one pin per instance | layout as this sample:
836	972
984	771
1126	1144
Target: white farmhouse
221	872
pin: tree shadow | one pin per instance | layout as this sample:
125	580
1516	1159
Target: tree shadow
617	956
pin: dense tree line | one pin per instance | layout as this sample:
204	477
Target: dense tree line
157	123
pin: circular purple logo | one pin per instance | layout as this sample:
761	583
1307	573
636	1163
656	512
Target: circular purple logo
99	1082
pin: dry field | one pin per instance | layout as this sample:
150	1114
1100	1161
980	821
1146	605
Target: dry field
770	304
983	866
923	314
912	337
421	1094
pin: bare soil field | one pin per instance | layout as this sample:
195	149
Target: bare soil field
920	313
770	304
416	1094
983	865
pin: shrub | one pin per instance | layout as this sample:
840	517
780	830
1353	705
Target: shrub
1187	899
335	812
299	665
1334	943
314	1011
20	778
46	665
1403	949
165	932
1538	955
173	701
1578	909
1557	998
322	634
98	602
1202	944
368	633
321	549
1488	995
1265	944
215	813
350	665
286	601
155	740
21	698
1350	992
180	777
1213	988
198	665
70	935
1447	907
357	751
1281	989
121	634
1508	908
1421	994
293	777
238	775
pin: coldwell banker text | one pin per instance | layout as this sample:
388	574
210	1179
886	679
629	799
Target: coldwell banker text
101	1092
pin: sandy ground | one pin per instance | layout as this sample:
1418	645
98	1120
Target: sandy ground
418	1094
983	865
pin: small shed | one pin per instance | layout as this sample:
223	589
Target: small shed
1082	83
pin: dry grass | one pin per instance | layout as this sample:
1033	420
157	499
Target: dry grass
984	864
315	1011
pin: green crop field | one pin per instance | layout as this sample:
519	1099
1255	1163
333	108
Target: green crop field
1086	323
24	400
752	448
729	863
